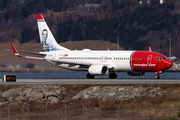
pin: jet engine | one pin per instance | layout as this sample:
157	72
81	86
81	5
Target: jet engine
98	70
135	73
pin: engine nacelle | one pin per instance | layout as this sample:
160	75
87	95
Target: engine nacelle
135	73
98	70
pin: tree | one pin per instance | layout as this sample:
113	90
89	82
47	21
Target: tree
28	34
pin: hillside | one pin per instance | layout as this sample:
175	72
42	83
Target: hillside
137	26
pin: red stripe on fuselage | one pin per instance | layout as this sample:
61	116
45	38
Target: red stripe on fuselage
145	61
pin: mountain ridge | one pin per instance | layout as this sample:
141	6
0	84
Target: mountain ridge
137	26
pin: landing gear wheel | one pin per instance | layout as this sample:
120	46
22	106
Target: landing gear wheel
89	76
112	75
157	76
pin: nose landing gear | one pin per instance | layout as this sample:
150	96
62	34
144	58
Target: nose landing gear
157	76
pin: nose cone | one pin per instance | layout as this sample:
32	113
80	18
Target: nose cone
168	64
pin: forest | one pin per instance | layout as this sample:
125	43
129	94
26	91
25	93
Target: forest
125	19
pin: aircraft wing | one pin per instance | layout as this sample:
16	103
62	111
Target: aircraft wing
50	60
32	53
17	52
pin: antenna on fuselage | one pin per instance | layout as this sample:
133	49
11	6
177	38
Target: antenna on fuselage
149	48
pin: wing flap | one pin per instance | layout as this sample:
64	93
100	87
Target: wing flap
69	62
34	53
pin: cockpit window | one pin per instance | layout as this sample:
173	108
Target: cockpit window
160	58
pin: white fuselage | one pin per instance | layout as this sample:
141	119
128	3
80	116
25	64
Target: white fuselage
119	60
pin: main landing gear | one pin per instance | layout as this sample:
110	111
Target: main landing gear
89	76
113	75
157	76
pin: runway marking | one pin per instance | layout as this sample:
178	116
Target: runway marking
94	81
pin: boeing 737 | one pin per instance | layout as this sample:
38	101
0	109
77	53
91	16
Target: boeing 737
135	63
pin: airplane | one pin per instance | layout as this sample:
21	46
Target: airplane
96	62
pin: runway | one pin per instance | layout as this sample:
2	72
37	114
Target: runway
94	81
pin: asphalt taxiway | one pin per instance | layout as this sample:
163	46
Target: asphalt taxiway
94	81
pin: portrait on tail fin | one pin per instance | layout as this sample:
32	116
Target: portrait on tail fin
47	39
45	46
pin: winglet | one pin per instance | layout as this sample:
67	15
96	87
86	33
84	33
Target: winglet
149	48
14	49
